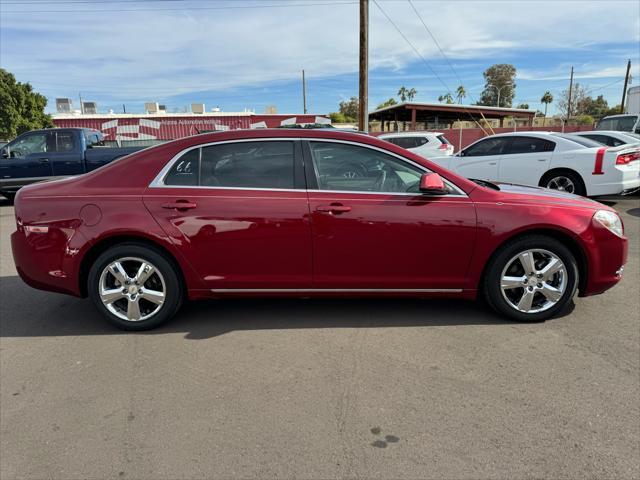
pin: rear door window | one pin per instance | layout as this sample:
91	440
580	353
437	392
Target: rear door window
404	142
65	142
489	146
530	145
263	164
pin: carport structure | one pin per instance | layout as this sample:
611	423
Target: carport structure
442	114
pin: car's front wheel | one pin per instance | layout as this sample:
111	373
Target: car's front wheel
135	287
531	279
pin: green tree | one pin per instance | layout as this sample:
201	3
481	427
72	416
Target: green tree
447	98
460	93
547	98
21	109
337	117
349	108
388	103
593	107
524	106
406	94
500	85
612	111
585	119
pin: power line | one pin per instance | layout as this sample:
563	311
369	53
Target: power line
424	60
437	44
185	7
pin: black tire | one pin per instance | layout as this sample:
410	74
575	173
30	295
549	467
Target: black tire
548	180
493	276
172	285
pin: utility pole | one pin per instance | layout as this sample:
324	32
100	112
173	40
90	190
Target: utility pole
304	94
81	106
626	82
363	113
569	102
124	109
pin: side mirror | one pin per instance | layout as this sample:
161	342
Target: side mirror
4	153
432	184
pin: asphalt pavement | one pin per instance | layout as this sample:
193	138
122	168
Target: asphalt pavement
311	389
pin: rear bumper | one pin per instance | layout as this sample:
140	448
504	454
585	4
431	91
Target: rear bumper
49	261
622	179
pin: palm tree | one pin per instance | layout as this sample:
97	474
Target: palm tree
446	98
402	93
411	93
460	93
547	98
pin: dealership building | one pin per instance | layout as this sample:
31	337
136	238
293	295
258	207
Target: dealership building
157	125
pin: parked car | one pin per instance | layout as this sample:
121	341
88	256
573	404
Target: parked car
549	159
425	144
611	138
621	123
307	213
53	153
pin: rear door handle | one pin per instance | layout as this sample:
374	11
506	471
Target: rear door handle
180	205
43	160
333	208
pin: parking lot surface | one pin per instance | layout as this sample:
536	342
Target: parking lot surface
320	388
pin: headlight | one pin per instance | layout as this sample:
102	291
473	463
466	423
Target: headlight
610	220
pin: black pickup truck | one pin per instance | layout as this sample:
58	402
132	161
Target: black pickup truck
53	153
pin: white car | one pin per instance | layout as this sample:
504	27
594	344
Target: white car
611	138
425	144
549	159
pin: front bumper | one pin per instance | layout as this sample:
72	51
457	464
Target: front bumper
606	256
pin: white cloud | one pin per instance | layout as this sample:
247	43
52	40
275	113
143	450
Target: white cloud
156	54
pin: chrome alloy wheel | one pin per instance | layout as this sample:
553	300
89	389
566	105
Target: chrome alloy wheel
561	183
132	289
534	281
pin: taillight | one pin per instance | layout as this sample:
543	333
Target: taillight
443	146
627	158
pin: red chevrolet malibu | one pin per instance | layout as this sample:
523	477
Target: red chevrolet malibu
306	213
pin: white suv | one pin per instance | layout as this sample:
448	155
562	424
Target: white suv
425	144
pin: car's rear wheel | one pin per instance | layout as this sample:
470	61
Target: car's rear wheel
564	181
531	279
135	287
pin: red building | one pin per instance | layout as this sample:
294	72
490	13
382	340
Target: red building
161	126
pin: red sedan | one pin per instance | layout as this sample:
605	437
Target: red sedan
306	213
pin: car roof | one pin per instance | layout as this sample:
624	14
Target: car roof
408	134
520	133
598	132
620	115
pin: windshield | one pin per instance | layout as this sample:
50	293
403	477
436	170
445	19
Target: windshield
585	142
623	124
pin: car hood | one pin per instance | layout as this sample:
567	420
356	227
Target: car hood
540	195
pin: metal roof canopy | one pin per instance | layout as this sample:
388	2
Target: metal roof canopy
446	113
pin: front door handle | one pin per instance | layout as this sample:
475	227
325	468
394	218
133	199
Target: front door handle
180	205
43	160
335	208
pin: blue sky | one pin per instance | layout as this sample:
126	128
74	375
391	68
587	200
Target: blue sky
248	54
